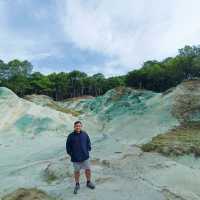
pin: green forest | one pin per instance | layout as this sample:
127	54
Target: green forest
153	75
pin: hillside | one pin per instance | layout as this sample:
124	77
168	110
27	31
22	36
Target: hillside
33	135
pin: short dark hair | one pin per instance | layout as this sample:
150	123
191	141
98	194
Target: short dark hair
77	122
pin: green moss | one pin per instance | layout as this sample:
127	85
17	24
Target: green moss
36	124
148	147
51	178
24	122
182	140
42	124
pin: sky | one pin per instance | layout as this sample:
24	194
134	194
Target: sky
111	37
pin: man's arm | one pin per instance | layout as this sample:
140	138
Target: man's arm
88	143
68	145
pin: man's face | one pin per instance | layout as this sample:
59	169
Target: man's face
77	127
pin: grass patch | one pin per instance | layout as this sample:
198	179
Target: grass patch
55	106
47	101
51	178
179	141
28	194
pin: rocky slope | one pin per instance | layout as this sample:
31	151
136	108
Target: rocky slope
33	135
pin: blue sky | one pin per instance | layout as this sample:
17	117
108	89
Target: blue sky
107	36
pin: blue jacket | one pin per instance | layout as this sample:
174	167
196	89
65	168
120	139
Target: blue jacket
78	146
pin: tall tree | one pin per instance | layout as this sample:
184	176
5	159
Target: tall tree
18	67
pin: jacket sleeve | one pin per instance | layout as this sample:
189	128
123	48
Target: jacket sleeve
68	146
88	143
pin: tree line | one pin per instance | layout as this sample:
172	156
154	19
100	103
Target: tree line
160	76
153	75
18	76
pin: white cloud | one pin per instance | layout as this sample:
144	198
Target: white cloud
13	46
126	32
15	43
132	31
109	69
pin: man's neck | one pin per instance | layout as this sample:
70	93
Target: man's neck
77	131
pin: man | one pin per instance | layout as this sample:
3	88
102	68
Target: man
78	146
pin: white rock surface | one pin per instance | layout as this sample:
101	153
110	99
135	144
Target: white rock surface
32	146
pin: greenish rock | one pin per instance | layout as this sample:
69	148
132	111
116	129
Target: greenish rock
5	93
38	124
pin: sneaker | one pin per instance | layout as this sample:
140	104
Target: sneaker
90	185
76	188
